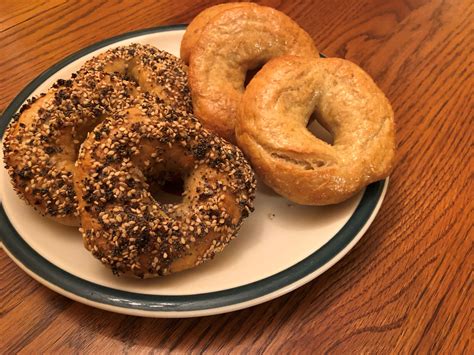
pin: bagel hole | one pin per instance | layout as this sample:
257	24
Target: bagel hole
168	189
315	127
81	135
250	74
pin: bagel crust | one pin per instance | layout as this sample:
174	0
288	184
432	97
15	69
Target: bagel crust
234	41
272	129
122	223
42	140
194	29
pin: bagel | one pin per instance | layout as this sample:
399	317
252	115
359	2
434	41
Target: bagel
274	114
42	140
234	41
194	29
157	72
122	223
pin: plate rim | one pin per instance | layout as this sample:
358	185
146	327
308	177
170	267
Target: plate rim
192	305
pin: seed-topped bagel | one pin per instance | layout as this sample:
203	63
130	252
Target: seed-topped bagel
157	72
41	144
124	226
42	141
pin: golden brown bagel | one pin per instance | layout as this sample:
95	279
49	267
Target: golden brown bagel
272	132
194	29
234	41
124	226
42	141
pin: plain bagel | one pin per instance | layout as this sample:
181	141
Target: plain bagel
234	41
274	114
194	29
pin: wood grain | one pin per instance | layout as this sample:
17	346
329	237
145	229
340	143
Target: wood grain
405	288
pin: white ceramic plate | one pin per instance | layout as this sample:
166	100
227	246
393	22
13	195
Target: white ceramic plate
279	248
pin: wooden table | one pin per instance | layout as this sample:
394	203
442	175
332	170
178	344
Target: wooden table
404	288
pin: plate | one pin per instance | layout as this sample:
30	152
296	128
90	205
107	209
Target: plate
280	247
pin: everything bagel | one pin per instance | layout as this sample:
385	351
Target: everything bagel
274	114
157	72
122	223
42	141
